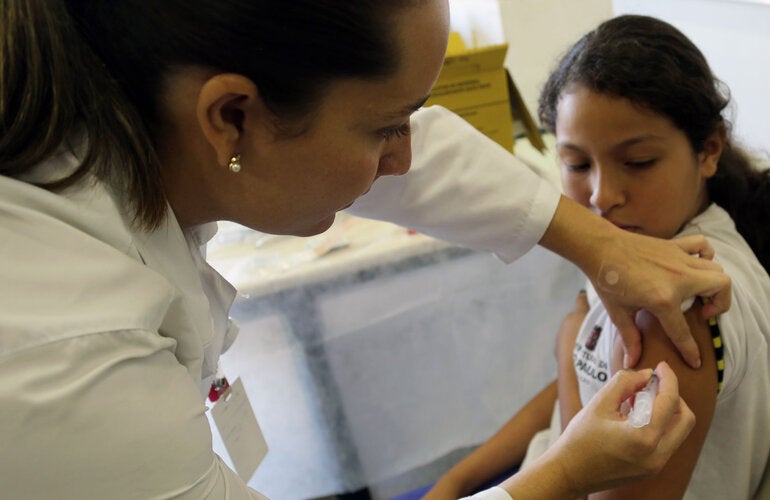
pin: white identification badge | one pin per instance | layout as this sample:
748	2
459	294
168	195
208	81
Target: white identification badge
239	429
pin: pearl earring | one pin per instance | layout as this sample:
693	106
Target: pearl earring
235	164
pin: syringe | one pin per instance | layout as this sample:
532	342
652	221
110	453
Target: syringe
640	414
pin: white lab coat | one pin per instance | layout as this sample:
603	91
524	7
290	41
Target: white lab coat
109	336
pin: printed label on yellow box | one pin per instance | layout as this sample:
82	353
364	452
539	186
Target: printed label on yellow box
473	84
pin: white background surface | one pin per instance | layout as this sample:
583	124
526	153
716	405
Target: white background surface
735	38
733	34
539	31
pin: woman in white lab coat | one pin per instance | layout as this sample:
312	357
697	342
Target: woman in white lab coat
129	127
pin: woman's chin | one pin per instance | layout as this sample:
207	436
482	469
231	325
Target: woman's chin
316	228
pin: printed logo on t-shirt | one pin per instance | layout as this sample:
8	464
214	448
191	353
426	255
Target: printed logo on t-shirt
591	359
593	338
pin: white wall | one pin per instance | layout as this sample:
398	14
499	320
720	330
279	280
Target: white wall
539	31
735	38
733	34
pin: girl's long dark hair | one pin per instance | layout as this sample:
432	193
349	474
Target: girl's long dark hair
654	65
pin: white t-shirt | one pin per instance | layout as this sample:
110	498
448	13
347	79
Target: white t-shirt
737	446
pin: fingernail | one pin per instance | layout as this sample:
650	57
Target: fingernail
626	361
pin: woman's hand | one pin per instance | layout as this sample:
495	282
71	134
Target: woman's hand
600	449
632	272
659	275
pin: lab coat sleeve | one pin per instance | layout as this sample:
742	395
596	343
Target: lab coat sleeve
109	415
465	189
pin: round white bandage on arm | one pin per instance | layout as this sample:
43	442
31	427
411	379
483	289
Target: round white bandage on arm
612	278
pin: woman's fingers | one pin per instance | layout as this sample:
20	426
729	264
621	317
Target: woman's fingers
659	275
622	386
696	244
601	449
623	319
717	284
675	325
671	418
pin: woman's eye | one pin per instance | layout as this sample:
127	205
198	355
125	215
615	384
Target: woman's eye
398	131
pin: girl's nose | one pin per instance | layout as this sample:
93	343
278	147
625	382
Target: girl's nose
607	190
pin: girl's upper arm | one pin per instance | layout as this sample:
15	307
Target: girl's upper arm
698	388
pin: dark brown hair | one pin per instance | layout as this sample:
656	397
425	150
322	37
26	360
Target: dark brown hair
99	65
654	65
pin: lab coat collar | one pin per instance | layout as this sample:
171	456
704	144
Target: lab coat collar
204	296
113	276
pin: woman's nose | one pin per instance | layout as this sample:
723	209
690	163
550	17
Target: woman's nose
607	190
397	157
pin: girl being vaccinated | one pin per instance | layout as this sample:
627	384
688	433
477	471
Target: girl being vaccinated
643	142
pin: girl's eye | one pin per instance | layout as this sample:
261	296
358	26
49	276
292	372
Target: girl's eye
398	131
641	164
578	167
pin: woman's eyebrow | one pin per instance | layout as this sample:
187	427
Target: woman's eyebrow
410	108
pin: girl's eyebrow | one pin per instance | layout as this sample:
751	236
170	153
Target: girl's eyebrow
637	140
568	145
622	145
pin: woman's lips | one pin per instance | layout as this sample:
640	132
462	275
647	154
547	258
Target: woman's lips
626	227
362	194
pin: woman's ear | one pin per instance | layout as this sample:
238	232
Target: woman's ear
224	103
708	158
